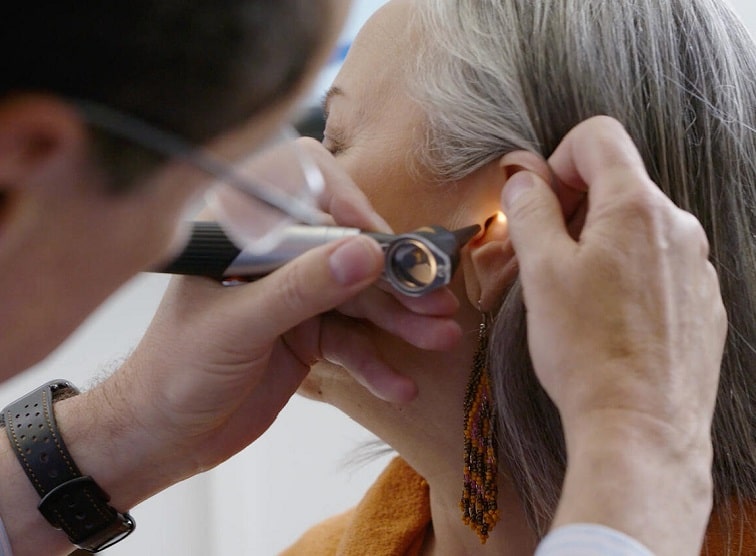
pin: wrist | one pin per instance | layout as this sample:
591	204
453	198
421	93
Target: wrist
52	498
28	531
638	475
109	441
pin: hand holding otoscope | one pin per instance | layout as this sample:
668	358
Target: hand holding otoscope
415	263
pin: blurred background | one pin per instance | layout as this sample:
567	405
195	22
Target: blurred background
310	465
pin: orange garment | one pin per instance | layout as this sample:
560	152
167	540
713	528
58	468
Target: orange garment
393	518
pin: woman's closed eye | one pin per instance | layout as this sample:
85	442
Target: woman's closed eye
334	140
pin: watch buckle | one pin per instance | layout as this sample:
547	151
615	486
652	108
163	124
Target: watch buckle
117	530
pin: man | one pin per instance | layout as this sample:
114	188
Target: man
82	210
194	72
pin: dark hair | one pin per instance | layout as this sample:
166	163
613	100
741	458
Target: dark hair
681	76
193	68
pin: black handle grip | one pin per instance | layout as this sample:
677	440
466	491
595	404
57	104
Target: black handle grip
208	253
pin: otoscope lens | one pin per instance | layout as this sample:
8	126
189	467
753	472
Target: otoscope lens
412	264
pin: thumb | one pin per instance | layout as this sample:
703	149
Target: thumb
316	282
534	218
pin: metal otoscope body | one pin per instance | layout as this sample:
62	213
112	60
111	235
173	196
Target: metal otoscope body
415	263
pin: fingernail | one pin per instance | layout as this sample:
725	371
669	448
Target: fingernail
364	209
379	224
518	184
354	260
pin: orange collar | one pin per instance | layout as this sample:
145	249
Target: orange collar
394	516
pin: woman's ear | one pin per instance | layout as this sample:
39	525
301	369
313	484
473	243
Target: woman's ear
572	200
489	264
488	260
516	161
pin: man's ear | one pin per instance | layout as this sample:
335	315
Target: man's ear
38	135
489	261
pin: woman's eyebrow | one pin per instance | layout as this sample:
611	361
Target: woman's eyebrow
330	93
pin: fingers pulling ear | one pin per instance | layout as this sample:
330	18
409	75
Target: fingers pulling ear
489	263
570	198
517	161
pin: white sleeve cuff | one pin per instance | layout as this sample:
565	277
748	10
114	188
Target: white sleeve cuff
589	539
5	548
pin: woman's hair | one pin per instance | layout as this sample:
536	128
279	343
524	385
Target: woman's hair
193	68
495	76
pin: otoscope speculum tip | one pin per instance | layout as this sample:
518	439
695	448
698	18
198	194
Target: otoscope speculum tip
464	235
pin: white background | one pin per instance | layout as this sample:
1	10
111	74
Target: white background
301	471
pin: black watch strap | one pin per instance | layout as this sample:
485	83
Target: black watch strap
70	501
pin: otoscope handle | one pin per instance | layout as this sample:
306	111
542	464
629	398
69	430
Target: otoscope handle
415	263
211	253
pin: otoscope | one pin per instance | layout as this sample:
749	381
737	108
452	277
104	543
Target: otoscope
415	263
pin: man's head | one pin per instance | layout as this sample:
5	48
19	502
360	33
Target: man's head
196	69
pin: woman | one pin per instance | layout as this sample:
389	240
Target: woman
426	137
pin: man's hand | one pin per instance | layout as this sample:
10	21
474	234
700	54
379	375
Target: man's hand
218	363
626	328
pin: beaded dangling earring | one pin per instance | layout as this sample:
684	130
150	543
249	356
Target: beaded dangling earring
480	493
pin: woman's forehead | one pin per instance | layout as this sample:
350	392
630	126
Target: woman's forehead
386	32
373	68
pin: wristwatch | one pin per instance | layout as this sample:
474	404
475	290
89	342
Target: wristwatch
70	501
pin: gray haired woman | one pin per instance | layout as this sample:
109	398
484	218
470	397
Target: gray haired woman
432	99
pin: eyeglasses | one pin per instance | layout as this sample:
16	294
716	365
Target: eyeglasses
270	188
